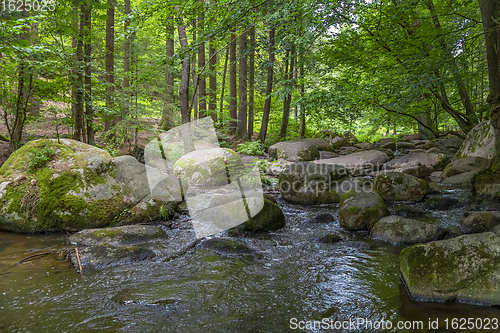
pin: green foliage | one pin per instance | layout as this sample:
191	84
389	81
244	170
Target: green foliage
39	157
254	148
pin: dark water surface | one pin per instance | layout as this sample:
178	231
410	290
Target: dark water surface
291	275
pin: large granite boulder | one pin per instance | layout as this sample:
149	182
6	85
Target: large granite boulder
360	163
360	209
208	166
487	182
295	151
480	142
481	221
70	186
399	186
464	269
462	172
400	230
310	183
418	164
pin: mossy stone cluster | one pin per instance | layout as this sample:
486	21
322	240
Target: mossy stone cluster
399	186
79	188
360	209
480	142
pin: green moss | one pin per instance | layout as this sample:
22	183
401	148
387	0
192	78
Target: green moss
107	233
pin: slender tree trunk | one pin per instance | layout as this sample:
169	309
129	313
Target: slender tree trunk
269	88
168	106
201	75
126	59
212	82
242	87
302	112
77	135
233	112
89	109
251	83
75	85
184	86
221	115
195	79
110	64
490	13
288	98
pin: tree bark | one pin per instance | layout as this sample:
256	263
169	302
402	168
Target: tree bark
242	87
110	64
290	64
302	112
89	108
232	84
168	105
202	95
212	82
269	88
221	115
490	14
195	78
251	83
77	134
184	86
126	59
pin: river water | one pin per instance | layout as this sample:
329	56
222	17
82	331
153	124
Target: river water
290	274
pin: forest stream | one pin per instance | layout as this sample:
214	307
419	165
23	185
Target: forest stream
289	274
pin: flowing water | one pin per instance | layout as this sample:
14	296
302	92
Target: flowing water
290	274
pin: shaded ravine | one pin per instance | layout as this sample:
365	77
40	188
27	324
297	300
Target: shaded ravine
290	274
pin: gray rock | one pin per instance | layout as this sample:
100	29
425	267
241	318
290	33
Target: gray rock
440	203
418	164
104	255
335	139
360	209
322	145
226	247
311	183
409	211
464	269
463	180
405	145
330	239
270	218
321	218
117	236
295	151
481	221
480	142
400	230
452	142
389	145
327	154
385	140
398	186
364	145
360	163
464	165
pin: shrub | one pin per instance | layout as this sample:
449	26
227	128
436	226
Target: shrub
255	148
39	157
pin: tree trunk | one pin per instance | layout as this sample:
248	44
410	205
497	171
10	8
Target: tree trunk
302	113
269	88
212	82
490	13
77	134
289	84
251	83
195	79
89	109
202	95
168	105
242	87
110	64
75	85
126	59
232	84
184	86
221	115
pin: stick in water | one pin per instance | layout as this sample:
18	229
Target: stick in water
78	258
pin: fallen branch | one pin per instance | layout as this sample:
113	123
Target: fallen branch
79	262
34	255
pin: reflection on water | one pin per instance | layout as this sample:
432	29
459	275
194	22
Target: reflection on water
292	275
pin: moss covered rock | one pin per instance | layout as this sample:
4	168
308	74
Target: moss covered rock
400	230
465	165
271	217
464	269
480	142
399	186
487	182
336	139
418	164
310	183
360	209
294	151
225	246
481	221
208	166
98	256
79	187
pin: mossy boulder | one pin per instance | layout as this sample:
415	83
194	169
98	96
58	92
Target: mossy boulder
294	151
270	218
400	230
481	221
350	137
469	165
464	269
360	209
98	256
418	164
487	182
117	236
480	142
399	186
226	247
208	166
310	183
79	187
